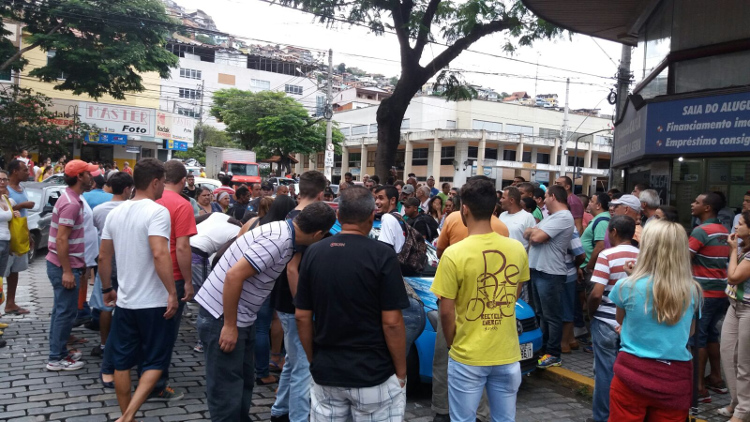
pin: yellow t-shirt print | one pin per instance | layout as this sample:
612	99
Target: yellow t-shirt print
481	273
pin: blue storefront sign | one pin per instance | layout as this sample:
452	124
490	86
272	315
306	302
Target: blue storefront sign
106	139
175	145
717	124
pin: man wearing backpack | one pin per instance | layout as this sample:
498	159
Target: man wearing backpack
406	241
593	237
423	223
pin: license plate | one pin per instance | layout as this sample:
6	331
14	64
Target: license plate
527	351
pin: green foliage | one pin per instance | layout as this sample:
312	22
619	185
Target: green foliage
393	80
26	122
205	39
356	71
341	67
451	86
100	46
270	123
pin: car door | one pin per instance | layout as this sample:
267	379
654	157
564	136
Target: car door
51	195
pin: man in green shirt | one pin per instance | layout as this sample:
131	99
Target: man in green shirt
444	194
593	236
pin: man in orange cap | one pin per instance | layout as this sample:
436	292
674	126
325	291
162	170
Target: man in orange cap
65	264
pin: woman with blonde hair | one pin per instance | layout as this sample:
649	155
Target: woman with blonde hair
735	332
655	308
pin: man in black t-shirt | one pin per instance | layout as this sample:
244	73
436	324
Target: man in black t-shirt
359	340
190	189
423	223
293	395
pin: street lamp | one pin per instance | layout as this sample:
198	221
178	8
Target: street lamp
575	154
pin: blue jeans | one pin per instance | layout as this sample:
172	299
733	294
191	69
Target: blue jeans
465	386
229	376
606	345
293	395
64	311
414	321
263	339
548	294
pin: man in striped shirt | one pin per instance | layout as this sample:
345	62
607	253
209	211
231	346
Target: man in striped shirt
65	264
709	251
231	297
610	267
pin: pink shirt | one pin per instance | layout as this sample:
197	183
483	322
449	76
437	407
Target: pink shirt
68	212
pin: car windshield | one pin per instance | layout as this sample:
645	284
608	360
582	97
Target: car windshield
35	196
286	182
240	169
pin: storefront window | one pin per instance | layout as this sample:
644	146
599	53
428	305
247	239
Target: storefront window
658	36
712	72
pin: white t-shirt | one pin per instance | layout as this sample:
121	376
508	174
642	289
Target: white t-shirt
129	227
5	217
391	232
517	224
90	236
213	233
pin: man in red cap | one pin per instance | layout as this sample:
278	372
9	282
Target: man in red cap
65	264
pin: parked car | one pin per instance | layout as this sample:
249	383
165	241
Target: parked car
44	196
211	184
419	358
55	179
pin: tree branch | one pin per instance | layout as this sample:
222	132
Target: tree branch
399	11
444	58
424	28
31	46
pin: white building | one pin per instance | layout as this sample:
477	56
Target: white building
454	140
204	70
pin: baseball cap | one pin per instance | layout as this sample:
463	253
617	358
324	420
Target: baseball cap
76	167
407	189
629	201
266	186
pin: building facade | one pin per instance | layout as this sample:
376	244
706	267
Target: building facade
452	141
686	127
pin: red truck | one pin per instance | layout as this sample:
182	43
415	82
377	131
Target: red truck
241	163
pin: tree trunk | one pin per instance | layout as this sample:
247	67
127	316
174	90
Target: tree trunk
389	116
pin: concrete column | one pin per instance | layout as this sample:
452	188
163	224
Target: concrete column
553	160
534	152
433	158
344	161
298	166
311	158
462	154
408	154
363	163
480	152
587	163
519	154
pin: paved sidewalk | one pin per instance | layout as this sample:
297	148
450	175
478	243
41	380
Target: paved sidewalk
582	364
28	392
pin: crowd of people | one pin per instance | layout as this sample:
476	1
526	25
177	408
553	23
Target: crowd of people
613	274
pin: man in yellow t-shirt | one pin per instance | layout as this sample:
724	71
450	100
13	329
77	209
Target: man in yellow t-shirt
478	280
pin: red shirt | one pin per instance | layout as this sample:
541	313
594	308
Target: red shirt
183	224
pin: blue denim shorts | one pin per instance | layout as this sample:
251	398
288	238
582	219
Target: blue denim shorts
707	330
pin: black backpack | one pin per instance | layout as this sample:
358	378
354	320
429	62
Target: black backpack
413	255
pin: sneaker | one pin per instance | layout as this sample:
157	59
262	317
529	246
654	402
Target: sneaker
66	364
75	355
97	352
704	397
167	394
548	361
198	347
3	325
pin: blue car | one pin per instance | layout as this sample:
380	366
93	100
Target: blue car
419	359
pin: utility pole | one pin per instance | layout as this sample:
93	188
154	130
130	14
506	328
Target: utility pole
623	80
564	142
328	161
199	129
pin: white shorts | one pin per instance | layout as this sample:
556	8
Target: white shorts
384	402
17	264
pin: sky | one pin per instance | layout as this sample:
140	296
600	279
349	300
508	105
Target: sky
257	22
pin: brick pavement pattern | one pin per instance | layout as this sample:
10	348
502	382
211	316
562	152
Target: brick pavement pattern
28	392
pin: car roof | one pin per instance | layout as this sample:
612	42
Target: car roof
40	185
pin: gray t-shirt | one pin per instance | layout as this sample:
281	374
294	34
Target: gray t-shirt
549	257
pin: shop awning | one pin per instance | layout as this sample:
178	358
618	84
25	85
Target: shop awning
613	20
277	158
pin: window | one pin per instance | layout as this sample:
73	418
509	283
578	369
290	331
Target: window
419	156
260	84
346	131
572	164
191	94
602	163
51	55
526	157
525	130
189	112
446	179
473	152
6	75
548	133
542	158
447	155
488	126
190	73
371	157
405	124
450	124
509	155
374	128
359	130
293	89
336	160
490	154
355	159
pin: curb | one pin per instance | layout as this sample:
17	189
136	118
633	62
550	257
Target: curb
582	384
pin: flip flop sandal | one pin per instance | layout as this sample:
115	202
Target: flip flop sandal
19	311
259	381
720	388
77	340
